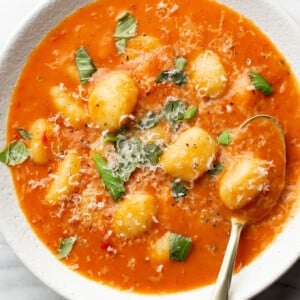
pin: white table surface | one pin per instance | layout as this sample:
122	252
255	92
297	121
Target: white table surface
16	282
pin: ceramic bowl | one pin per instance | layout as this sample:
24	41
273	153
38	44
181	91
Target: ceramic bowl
269	266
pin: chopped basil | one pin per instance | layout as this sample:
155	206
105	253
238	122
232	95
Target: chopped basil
112	181
178	190
217	169
24	134
14	154
126	28
121	45
110	138
180	63
66	246
152	153
180	247
224	138
174	111
84	65
190	113
149	121
176	75
260	83
129	155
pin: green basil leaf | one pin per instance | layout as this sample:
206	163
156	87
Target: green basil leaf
174	111
24	134
260	83
110	138
121	46
224	138
190	113
180	63
113	183
180	247
149	121
84	65
178	190
126	28
66	246
14	154
175	76
129	155
217	169
152	153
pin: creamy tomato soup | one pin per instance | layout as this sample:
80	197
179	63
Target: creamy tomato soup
126	146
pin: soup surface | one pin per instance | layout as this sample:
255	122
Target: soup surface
125	124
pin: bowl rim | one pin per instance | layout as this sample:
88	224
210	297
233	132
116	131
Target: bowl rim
30	249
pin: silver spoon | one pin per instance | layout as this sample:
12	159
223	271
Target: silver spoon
223	282
224	278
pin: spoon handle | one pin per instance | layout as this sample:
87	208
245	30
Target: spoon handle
221	291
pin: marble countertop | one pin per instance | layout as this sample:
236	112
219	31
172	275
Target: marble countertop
16	282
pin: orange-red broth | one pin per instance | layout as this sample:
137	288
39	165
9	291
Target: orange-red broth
184	28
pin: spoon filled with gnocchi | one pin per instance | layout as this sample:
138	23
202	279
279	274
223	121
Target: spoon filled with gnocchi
245	184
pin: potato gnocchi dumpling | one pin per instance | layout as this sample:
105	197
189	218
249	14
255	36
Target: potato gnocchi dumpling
111	99
242	181
190	155
74	111
209	75
134	215
39	145
160	249
141	44
65	179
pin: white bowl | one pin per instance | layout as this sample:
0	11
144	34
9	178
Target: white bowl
269	266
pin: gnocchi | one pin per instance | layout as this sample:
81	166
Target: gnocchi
160	249
111	99
209	75
134	215
242	181
65	179
190	155
141	44
72	110
39	145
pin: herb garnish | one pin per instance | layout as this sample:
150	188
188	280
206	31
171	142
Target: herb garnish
129	155
84	65
217	169
180	247
175	111
126	28
150	120
180	63
14	154
260	83
24	134
66	246
112	181
110	138
178	190
224	138
190	113
176	75
152	153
